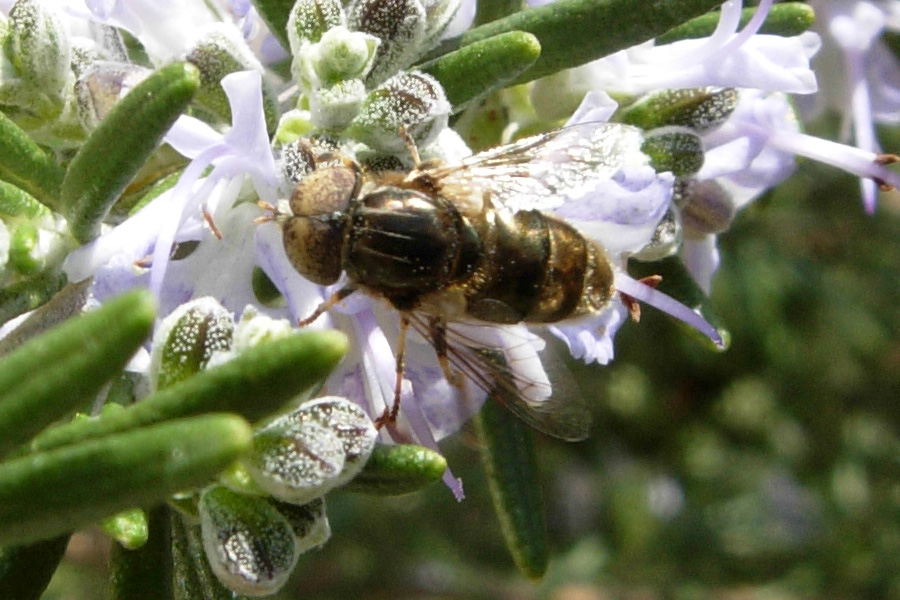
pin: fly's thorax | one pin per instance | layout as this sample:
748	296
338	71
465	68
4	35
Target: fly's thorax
404	243
314	236
538	269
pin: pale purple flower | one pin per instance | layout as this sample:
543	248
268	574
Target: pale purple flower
860	75
728	58
620	214
168	29
753	151
463	19
175	216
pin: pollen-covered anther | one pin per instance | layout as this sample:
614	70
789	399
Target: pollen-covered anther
633	306
884	160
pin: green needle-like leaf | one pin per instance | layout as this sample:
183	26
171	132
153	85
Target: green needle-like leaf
254	385
52	374
145	573
491	10
574	32
398	469
507	452
58	307
23	163
28	294
195	578
25	571
467	76
129	528
48	493
787	19
16	202
275	14
121	144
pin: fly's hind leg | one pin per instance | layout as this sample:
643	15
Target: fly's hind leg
438	328
389	417
325	306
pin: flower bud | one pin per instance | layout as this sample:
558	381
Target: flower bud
254	328
294	124
310	19
706	207
101	85
412	100
332	108
319	446
700	109
339	55
297	161
106	44
38	47
251	547
350	424
674	149
295	462
218	52
309	522
401	27
666	239
187	339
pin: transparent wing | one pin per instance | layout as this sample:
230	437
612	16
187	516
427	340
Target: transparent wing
540	171
562	415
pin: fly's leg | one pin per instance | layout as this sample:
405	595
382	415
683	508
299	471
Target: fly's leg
389	417
325	306
439	341
411	147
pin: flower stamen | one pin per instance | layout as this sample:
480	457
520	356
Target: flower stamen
211	223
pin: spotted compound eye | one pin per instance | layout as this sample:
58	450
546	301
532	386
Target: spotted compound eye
314	246
325	191
314	236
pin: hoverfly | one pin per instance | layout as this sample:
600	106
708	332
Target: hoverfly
446	245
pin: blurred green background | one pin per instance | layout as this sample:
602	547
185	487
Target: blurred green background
769	471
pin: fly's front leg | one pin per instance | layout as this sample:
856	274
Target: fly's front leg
325	306
389	417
